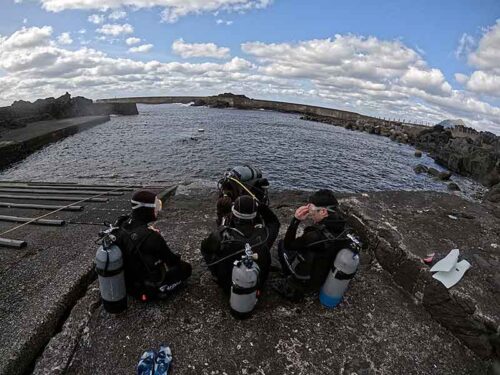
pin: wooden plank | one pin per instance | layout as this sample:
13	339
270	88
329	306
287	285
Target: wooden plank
40	206
17	219
6	242
52	198
70	192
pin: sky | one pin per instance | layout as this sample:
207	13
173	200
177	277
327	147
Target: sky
421	61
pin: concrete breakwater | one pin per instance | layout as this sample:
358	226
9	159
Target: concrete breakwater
21	112
26	127
22	142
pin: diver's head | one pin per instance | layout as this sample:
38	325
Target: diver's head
244	209
321	203
145	206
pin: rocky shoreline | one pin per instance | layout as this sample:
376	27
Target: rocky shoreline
470	154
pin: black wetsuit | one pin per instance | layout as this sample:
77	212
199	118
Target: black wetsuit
311	255
262	231
151	268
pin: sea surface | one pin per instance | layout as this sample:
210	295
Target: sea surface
163	144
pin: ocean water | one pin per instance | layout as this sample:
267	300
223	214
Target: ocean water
163	145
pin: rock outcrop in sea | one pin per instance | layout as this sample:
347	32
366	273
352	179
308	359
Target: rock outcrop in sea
476	157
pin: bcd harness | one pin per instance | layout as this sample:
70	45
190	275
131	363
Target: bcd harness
135	240
229	235
328	242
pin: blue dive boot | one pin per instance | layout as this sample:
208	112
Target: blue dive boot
163	360
147	363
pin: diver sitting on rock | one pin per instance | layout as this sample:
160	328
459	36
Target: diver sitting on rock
306	260
249	222
238	181
152	270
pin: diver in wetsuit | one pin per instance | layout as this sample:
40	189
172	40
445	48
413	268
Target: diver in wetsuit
306	260
152	270
249	222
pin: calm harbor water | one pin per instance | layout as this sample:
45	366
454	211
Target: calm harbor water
163	144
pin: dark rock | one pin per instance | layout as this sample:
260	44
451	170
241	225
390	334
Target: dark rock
474	155
420	169
444	176
453	186
418	153
433	172
494	194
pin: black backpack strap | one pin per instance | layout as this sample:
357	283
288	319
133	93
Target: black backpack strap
137	237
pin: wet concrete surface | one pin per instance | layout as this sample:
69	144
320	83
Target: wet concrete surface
380	328
40	128
40	283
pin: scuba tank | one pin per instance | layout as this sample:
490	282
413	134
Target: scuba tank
109	268
246	173
244	288
344	268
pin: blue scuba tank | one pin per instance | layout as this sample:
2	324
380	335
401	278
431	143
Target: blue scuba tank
344	268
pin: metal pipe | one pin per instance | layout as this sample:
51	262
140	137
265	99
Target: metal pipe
17	219
66	187
70	184
6	242
42	191
52	198
40	206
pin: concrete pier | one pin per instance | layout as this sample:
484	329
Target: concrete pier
381	327
16	144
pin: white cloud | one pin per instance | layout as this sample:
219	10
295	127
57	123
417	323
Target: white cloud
487	55
25	21
465	45
132	40
187	50
430	80
96	18
142	48
117	15
173	9
484	82
64	38
223	22
366	75
27	37
486	58
82	31
116	29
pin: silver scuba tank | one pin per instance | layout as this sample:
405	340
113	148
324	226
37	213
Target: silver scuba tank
109	268
246	172
344	268
245	278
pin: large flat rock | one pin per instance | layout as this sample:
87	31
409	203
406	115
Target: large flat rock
377	329
405	226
